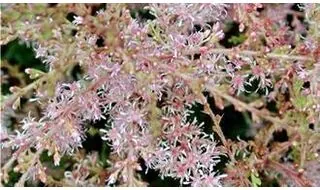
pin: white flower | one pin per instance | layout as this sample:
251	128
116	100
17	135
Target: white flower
100	12
41	51
77	20
50	59
92	40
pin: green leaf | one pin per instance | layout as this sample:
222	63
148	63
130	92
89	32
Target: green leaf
93	131
256	182
297	86
300	101
235	40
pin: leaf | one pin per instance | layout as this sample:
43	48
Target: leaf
256	182
235	40
93	131
297	86
300	101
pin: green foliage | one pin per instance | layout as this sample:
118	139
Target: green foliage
236	40
300	101
13	178
57	172
18	53
255	180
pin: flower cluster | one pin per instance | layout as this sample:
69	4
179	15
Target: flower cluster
186	153
142	77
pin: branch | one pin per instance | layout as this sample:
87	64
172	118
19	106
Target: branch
12	98
234	101
6	166
288	172
23	178
216	126
253	53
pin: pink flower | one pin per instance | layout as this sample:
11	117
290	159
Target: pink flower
237	83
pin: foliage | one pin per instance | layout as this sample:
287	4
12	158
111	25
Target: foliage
129	90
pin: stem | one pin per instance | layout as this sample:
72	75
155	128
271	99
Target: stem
23	178
303	154
52	181
284	147
295	176
8	164
254	53
4	169
234	101
34	85
216	126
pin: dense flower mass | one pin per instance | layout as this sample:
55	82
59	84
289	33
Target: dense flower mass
137	79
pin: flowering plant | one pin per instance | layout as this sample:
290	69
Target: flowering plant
141	70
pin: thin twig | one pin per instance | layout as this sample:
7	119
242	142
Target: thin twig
23	178
216	126
234	101
253	53
8	164
33	85
288	172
